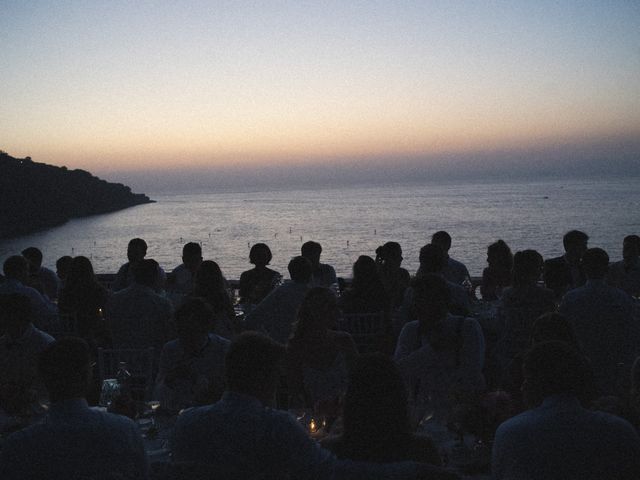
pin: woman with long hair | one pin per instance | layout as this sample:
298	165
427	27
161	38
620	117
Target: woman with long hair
84	297
255	284
376	417
318	356
395	279
498	274
367	293
211	286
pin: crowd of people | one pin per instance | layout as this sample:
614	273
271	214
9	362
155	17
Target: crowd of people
542	368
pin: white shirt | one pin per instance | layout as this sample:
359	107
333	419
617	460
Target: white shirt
205	370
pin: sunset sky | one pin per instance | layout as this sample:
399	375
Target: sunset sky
116	86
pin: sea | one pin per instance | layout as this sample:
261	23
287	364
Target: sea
352	221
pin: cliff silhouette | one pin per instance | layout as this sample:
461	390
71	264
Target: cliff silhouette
35	196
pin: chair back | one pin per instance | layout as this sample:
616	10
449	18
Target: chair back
368	330
140	363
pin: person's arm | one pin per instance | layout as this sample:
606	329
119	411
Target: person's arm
472	355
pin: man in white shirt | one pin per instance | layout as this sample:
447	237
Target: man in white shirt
73	441
323	274
41	278
181	279
454	271
137	316
16	270
20	346
558	439
191	368
241	436
278	311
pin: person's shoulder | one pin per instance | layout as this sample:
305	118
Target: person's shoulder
555	262
518	425
219	342
410	327
614	424
43	337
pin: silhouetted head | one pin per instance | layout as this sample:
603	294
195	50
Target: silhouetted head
442	239
300	269
389	254
63	265
553	368
430	297
317	313
145	272
193	320
136	250
365	270
253	364
81	271
499	256
432	259
15	314
209	276
65	369
311	251
595	262
553	326
16	267
631	247
575	244
375	404
260	255
192	255
527	267
34	257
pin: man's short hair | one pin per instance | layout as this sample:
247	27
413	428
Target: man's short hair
138	244
193	314
33	254
260	249
192	249
442	238
145	272
554	368
526	264
300	269
574	237
64	368
632	240
251	361
15	266
310	248
595	262
432	259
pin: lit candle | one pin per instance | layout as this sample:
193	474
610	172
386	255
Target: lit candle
312	426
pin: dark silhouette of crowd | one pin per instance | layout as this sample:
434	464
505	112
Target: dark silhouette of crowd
381	375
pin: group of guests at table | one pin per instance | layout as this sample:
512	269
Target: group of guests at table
565	333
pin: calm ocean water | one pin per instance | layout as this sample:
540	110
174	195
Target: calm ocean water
352	221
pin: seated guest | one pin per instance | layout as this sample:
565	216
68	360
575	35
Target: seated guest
323	275
523	303
558	438
191	367
16	271
137	316
40	278
63	265
277	312
20	345
454	271
366	293
433	261
242	437
565	272
603	320
376	417
211	286
84	297
395	279
318	356
181	279
439	355
136	251
255	284
73	441
497	275
625	274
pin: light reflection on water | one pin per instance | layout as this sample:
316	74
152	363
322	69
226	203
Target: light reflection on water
352	221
